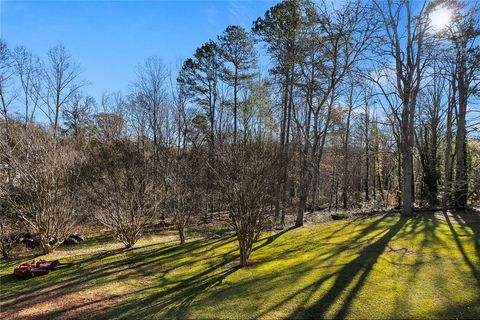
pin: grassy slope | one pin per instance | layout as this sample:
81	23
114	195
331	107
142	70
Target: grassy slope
373	268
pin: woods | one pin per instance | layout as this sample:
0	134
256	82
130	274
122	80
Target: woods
366	105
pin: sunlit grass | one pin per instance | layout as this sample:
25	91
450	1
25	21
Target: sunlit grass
382	267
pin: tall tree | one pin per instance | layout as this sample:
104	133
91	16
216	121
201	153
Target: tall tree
351	103
6	97
199	78
151	91
62	81
402	39
27	68
431	107
279	30
237	49
333	41
465	33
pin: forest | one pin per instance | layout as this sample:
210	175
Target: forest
321	111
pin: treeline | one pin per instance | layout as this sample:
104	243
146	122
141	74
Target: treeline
365	105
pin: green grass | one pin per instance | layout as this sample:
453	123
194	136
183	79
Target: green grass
381	267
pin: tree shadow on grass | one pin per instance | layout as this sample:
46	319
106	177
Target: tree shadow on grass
424	226
175	298
270	239
468	310
359	267
472	220
322	261
98	269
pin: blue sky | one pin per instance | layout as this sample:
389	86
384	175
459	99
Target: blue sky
110	38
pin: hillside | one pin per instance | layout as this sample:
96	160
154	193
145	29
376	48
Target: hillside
380	267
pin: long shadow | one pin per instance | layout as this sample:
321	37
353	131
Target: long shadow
362	265
181	295
354	221
425	225
352	244
355	240
471	220
79	276
469	310
269	240
176	299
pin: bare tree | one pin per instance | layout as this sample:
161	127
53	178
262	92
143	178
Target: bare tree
184	194
150	89
464	34
245	173
120	187
6	73
44	185
279	29
109	126
27	68
6	98
352	98
429	126
447	173
62	81
403	40
343	35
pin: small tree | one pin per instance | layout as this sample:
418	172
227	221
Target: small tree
43	190
181	203
246	174
121	189
184	194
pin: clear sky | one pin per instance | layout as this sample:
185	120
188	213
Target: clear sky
110	38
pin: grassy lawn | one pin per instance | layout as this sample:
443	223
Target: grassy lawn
381	267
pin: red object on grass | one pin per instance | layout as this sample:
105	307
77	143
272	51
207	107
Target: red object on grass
37	268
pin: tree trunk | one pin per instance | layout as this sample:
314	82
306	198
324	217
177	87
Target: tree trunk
304	183
281	178
46	247
305	174
235	107
287	145
461	181
345	153
181	233
400	179
367	172
448	146
407	168
243	258
244	253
